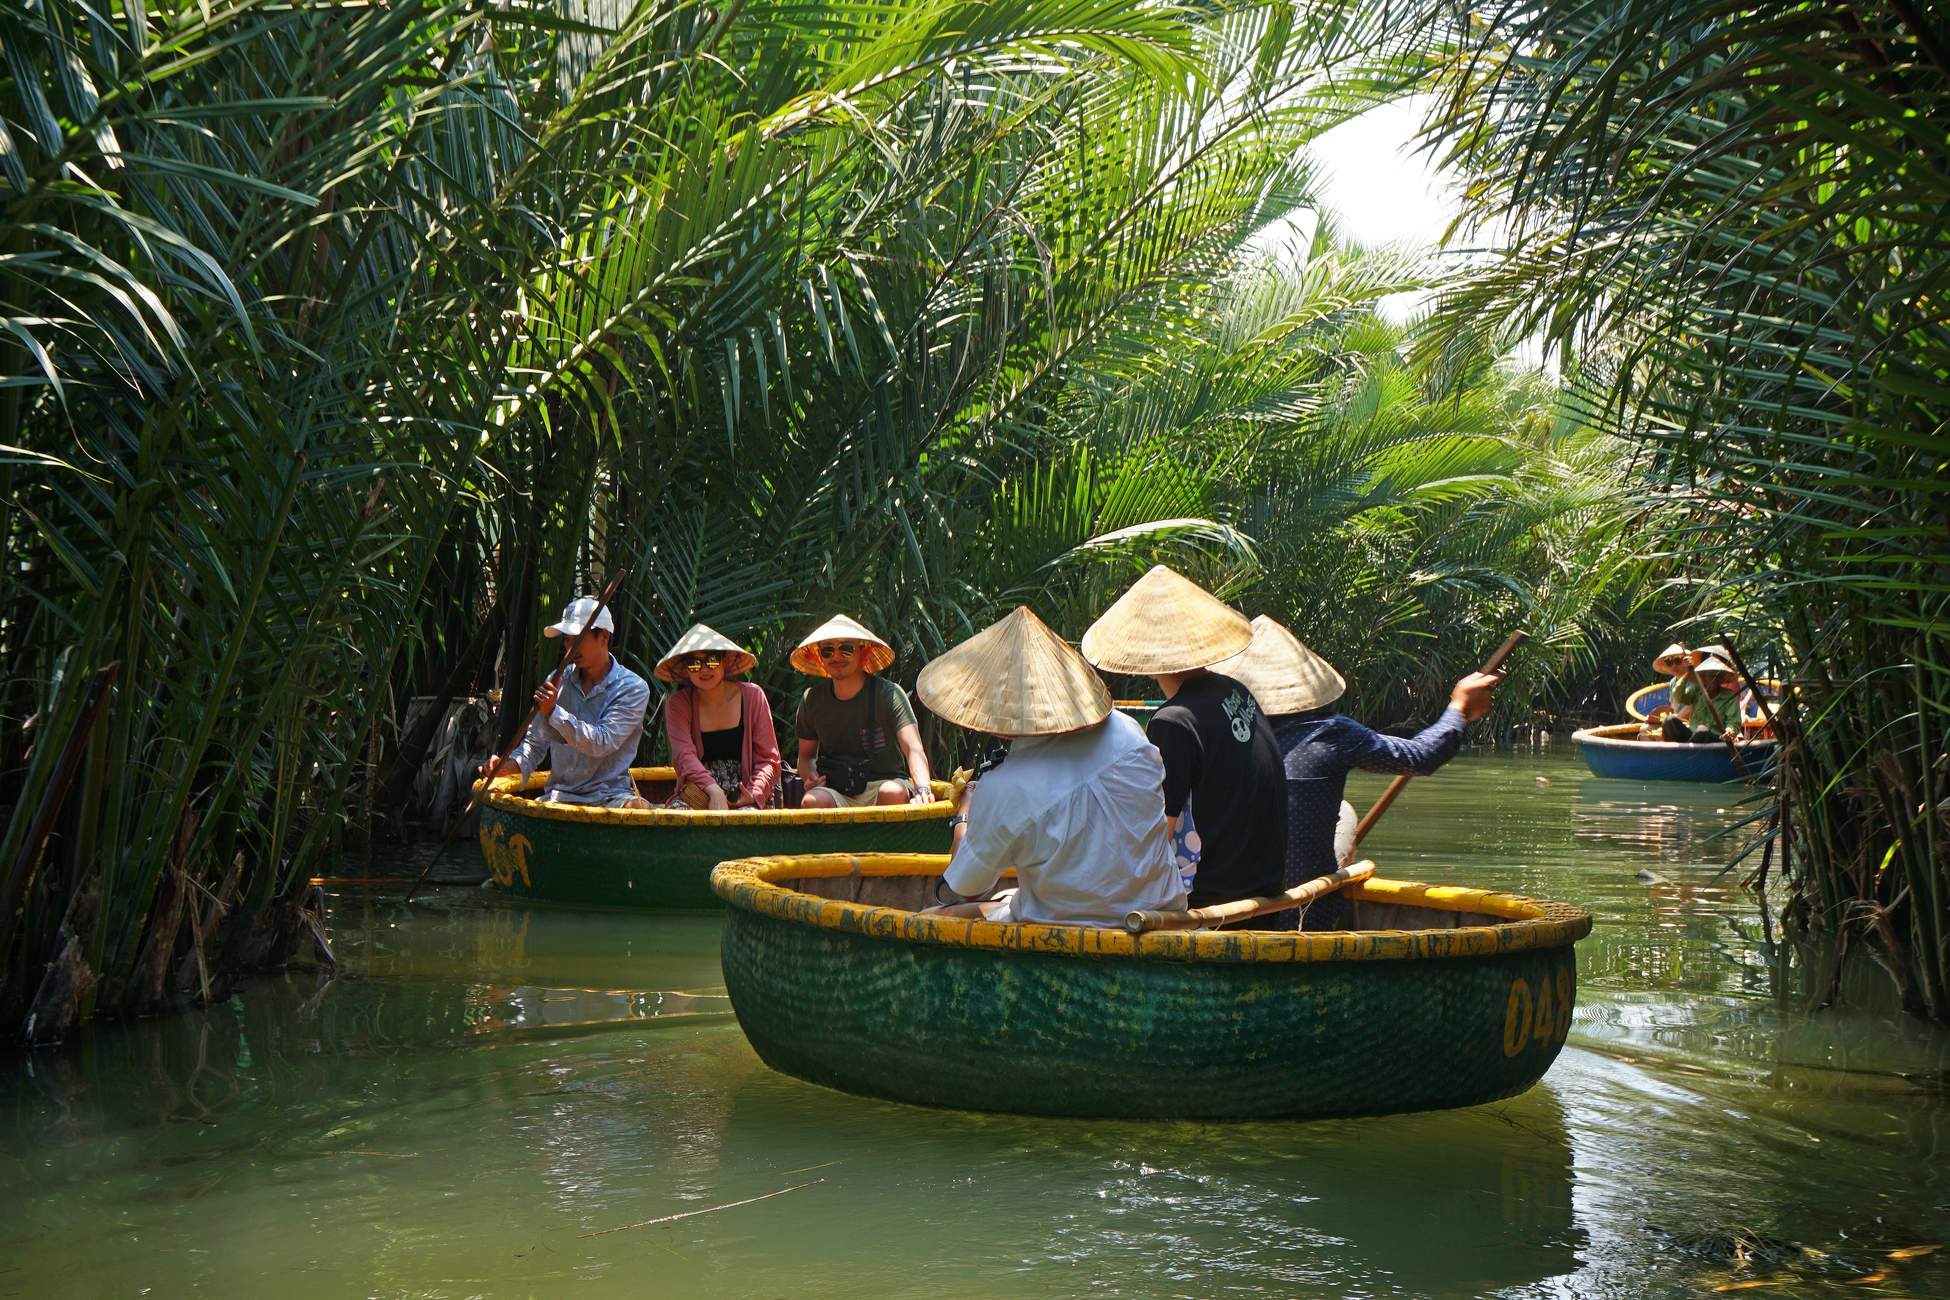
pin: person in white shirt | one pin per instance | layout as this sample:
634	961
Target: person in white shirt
1077	810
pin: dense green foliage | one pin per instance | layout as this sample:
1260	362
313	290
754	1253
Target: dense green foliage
1733	218
343	344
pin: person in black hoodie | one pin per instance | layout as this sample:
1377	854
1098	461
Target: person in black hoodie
1219	753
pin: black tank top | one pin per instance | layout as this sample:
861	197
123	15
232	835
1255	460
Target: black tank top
726	744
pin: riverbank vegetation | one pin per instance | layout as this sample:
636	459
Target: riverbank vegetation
344	344
1731	217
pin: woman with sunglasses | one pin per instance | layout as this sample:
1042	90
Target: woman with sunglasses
721	738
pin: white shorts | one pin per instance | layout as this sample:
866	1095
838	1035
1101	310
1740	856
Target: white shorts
870	795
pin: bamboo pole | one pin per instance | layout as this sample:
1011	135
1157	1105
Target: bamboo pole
1221	913
1400	783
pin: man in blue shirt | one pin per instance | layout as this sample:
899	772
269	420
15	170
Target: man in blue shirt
1295	687
590	721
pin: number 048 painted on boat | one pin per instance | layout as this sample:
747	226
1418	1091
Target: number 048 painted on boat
1540	1016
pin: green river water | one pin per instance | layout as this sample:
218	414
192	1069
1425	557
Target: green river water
487	1084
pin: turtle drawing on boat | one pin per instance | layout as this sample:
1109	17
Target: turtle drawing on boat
659	859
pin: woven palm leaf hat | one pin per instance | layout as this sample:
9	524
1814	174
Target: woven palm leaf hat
698	637
1283	675
1165	624
1015	678
1717	666
1668	660
840	628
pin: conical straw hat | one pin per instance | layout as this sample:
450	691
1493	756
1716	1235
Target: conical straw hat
1714	664
1283	675
1716	649
1165	624
1015	678
1667	660
698	637
840	628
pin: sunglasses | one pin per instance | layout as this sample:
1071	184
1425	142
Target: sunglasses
701	665
838	649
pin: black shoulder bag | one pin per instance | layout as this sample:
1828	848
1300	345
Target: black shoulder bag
849	776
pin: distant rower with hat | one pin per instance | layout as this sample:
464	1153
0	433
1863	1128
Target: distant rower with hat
1217	749
1705	705
1077	809
858	741
590	721
1318	747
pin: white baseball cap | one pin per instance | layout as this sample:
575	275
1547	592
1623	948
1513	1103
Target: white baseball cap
576	615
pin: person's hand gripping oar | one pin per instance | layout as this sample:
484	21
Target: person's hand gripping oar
1400	783
495	760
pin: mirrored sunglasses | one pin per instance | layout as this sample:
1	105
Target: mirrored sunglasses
701	664
835	649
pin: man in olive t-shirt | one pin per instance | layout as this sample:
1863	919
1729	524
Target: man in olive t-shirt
855	715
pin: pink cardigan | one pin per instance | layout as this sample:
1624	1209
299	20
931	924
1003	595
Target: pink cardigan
760	759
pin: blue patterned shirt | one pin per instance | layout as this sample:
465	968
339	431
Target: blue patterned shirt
1320	747
590	737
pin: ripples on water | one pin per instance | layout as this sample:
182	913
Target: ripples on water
487	1083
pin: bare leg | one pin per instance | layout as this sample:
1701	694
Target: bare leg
894	792
819	797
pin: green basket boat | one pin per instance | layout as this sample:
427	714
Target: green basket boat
1437	997
659	860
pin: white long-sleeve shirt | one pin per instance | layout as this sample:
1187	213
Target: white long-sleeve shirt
1081	818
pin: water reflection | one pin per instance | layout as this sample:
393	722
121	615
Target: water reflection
488	1084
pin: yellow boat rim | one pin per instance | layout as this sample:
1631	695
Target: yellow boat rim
504	795
1523	924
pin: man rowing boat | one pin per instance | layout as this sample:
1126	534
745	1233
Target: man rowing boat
1076	810
589	722
1318	747
1705	704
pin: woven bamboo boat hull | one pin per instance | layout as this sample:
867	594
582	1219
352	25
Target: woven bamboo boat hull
1466	1000
1612	752
660	860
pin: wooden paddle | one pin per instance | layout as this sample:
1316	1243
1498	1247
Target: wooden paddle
1400	783
1207	917
1760	698
495	760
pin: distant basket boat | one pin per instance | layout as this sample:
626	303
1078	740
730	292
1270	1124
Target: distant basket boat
1439	997
1617	752
660	859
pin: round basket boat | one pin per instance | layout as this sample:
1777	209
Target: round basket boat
659	860
1437	997
1617	752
